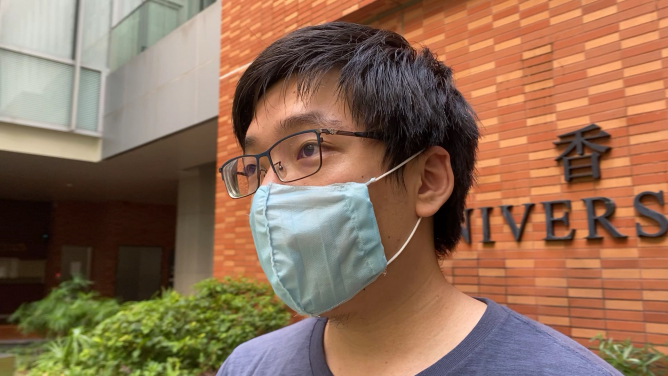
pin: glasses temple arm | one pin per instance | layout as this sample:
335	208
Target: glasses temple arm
373	135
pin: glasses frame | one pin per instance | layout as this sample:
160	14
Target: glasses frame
267	153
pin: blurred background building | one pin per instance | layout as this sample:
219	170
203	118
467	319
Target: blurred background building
591	254
108	115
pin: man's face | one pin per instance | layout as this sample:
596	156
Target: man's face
344	159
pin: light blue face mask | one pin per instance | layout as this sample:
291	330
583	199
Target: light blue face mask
318	246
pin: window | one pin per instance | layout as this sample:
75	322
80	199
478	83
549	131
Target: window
38	59
44	26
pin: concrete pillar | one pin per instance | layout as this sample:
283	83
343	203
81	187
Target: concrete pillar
194	227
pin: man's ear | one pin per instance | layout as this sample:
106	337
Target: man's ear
437	181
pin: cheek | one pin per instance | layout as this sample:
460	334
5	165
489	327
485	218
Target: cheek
393	214
345	166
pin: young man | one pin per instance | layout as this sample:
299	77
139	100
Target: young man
359	152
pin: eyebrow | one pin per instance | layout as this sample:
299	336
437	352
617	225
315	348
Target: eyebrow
297	122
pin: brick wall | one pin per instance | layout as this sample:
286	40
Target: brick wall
532	70
105	227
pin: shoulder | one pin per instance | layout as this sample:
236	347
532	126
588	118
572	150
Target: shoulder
297	334
272	351
545	349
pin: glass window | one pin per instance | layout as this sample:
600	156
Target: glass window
35	89
95	33
45	26
89	100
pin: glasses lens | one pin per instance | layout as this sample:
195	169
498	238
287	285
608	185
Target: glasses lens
241	176
296	157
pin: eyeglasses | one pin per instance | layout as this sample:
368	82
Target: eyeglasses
292	158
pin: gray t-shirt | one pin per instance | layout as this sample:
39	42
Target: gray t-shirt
502	343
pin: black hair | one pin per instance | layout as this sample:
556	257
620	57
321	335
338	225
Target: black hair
407	96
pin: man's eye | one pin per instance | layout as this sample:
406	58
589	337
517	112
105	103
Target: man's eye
307	151
249	170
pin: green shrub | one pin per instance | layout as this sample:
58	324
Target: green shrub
67	306
170	334
631	360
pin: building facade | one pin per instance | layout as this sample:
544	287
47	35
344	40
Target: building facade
567	223
108	115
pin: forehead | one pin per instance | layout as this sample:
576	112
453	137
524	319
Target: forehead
281	111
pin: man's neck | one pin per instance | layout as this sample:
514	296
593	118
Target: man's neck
419	320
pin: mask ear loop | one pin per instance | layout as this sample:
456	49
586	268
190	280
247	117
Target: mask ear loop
407	241
373	180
